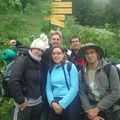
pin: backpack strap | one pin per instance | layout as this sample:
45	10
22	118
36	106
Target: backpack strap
50	70
107	70
65	78
69	65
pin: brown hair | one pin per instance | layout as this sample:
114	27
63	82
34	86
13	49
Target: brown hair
74	37
63	51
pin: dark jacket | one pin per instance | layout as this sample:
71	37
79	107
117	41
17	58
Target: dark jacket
25	79
77	60
20	48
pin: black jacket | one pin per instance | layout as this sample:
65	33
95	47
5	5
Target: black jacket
25	79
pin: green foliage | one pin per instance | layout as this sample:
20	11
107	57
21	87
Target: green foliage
3	9
97	12
106	38
21	26
113	12
6	107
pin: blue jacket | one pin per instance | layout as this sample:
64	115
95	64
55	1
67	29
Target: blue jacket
56	85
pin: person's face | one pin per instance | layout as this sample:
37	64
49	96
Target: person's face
57	55
91	56
37	52
75	44
55	40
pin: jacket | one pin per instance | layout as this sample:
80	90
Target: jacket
26	79
57	87
76	60
109	90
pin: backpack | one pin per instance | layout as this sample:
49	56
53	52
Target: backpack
69	65
6	77
107	70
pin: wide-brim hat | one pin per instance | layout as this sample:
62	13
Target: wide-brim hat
81	51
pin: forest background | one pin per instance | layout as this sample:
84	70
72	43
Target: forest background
95	21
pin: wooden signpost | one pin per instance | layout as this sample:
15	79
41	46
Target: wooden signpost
59	10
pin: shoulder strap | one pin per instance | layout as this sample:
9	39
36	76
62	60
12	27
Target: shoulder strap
107	70
65	77
50	70
82	74
69	65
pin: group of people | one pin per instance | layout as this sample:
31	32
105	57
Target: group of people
71	84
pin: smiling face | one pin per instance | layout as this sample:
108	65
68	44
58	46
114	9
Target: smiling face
57	55
91	56
55	40
75	44
37	52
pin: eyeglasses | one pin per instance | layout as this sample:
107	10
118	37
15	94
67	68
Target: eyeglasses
56	53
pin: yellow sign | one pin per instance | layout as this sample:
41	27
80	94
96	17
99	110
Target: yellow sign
59	9
61	4
57	23
62	11
58	17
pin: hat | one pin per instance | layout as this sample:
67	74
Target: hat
40	43
90	45
8	55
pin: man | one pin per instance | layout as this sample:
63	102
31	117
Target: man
75	46
97	92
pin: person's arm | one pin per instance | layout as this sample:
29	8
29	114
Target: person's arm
14	42
70	96
49	89
114	94
14	83
18	43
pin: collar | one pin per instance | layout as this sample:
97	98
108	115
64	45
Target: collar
34	57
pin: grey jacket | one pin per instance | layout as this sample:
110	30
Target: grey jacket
109	91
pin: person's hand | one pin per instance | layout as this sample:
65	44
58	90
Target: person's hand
98	118
93	112
57	108
12	42
23	106
55	105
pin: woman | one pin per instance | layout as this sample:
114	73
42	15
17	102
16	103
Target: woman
26	82
62	88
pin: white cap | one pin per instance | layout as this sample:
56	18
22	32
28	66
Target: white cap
40	43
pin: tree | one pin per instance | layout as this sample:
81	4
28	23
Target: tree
112	13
